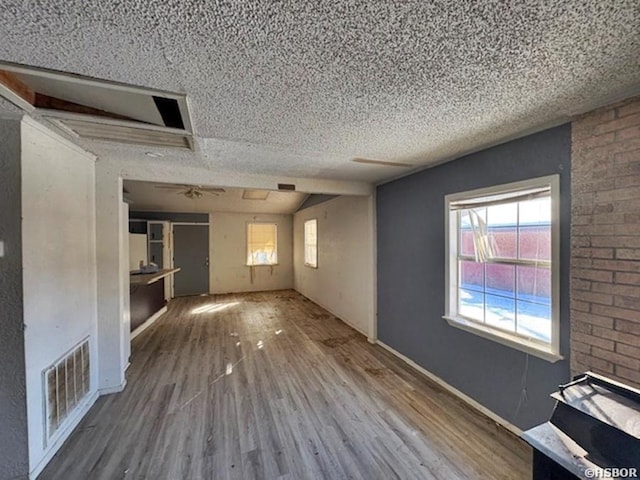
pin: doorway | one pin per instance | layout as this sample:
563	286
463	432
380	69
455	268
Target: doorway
191	254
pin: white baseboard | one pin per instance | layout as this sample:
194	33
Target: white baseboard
148	322
454	391
355	327
72	423
110	390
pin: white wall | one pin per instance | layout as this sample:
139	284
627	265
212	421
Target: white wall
228	249
59	262
344	282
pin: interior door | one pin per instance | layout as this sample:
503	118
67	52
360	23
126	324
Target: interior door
191	254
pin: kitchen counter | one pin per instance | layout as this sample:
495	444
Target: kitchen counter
146	298
149	278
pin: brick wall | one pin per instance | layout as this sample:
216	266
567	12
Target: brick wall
605	254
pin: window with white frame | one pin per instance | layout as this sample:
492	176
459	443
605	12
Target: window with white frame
503	264
262	244
311	243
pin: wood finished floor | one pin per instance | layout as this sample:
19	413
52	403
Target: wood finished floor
269	385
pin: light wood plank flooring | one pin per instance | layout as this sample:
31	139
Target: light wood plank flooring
269	385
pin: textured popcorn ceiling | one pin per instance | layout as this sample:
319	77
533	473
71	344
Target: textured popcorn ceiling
299	88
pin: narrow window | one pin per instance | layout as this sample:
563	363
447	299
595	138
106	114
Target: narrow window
311	243
262	244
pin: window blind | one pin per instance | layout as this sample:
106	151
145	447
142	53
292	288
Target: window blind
262	244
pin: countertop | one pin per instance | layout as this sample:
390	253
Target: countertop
149	278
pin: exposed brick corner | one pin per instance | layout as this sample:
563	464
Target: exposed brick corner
605	252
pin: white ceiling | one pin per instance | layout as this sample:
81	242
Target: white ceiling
299	88
146	196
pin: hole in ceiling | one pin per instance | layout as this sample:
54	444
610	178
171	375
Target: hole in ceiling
100	109
250	194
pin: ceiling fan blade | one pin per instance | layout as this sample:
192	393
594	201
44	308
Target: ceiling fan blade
212	190
173	187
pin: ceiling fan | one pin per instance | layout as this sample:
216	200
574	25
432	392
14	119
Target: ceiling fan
192	191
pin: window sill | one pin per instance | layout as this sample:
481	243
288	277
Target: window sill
262	265
311	266
523	345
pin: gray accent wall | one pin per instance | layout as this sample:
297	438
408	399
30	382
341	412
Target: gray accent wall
14	455
411	278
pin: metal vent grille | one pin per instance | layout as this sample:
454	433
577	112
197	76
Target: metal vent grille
67	382
130	133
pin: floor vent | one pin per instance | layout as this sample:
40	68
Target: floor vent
67	383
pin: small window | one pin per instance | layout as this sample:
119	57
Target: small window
262	244
311	243
503	264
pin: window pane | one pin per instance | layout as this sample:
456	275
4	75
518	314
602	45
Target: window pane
535	242
472	275
501	224
535	212
534	284
471	304
466	235
262	244
534	320
501	279
500	312
311	242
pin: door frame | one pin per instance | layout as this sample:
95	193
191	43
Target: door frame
171	251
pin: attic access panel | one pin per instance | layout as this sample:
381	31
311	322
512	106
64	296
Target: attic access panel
100	109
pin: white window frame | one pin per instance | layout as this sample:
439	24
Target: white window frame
246	252
313	264
550	351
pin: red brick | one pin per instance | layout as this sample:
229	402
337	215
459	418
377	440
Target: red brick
617	124
598	140
628	253
628	374
628	350
595	275
628	133
615	358
579	306
629	109
616	312
605	253
594	363
598	320
608	218
593	297
616	265
605	343
614	336
628	158
619	241
617	194
629	327
627	302
627	181
584	285
579	327
615	289
580	347
628	229
628	278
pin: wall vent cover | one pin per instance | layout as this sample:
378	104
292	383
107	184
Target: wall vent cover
67	383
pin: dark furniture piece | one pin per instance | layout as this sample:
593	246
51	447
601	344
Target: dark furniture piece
147	295
594	430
